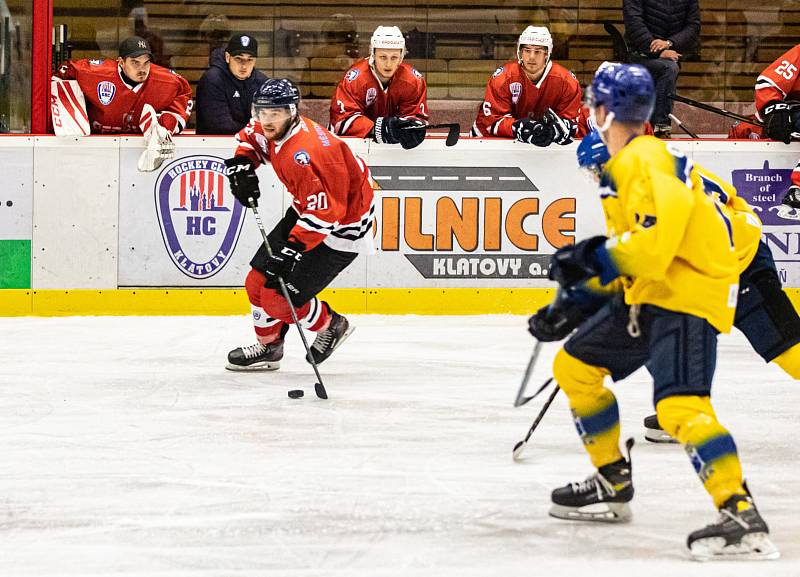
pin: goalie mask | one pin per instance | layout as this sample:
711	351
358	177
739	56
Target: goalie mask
535	36
389	37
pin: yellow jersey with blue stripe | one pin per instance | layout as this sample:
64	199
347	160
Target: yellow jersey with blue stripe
673	243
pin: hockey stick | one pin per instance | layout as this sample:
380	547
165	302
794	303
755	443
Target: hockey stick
453	132
715	110
682	126
521	398
520	446
319	388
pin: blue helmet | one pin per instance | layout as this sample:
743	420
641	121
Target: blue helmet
592	152
277	93
626	90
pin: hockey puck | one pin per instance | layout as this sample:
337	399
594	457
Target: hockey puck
296	394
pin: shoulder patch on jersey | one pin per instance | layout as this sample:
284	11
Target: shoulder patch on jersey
352	74
416	72
106	91
302	158
572	74
499	71
372	94
96	61
516	90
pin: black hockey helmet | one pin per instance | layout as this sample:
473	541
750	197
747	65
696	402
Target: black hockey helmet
277	93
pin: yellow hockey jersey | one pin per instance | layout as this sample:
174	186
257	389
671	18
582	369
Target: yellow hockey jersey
672	240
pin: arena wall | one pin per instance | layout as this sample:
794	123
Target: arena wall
460	230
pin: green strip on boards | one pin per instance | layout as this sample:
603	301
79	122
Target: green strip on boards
15	264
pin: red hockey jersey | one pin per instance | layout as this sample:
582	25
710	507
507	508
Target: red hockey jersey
779	80
331	187
360	98
510	95
114	107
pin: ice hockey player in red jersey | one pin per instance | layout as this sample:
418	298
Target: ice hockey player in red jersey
329	222
532	99
116	91
778	106
381	97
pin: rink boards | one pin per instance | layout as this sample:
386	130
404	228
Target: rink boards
460	230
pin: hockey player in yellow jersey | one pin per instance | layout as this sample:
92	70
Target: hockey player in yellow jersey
670	249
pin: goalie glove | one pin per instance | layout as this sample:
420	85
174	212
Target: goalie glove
158	142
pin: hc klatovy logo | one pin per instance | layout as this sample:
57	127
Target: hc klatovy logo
200	220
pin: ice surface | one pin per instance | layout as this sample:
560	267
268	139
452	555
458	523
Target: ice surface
127	449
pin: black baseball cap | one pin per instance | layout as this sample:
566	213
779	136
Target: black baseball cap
242	44
133	47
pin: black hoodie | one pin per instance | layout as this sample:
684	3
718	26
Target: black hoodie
223	101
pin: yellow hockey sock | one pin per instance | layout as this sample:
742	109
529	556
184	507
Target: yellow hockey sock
789	361
691	420
594	407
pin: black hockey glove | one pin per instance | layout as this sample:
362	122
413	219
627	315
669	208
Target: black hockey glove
563	129
555	322
533	132
574	264
285	257
778	121
243	179
408	132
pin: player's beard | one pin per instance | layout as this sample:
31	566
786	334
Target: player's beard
280	133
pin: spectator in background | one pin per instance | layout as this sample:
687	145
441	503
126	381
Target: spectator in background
532	98
225	91
659	33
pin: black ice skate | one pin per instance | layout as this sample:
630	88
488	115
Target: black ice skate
790	205
329	340
739	533
256	357
602	497
654	433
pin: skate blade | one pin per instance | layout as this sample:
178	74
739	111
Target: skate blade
255	367
753	547
599	513
658	436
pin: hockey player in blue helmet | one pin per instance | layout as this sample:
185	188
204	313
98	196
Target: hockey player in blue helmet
669	261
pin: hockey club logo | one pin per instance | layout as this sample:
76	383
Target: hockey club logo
106	91
416	72
352	74
372	94
200	221
245	41
516	90
302	158
498	72
96	61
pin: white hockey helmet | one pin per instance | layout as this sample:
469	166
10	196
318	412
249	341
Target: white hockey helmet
535	36
386	37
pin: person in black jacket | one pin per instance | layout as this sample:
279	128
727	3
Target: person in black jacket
659	33
225	91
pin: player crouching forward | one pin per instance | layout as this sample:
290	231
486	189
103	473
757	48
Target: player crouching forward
382	97
329	222
670	249
532	99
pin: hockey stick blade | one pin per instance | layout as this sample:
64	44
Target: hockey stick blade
520	446
453	132
320	390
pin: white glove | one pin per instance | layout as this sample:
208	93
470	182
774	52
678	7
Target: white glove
158	142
